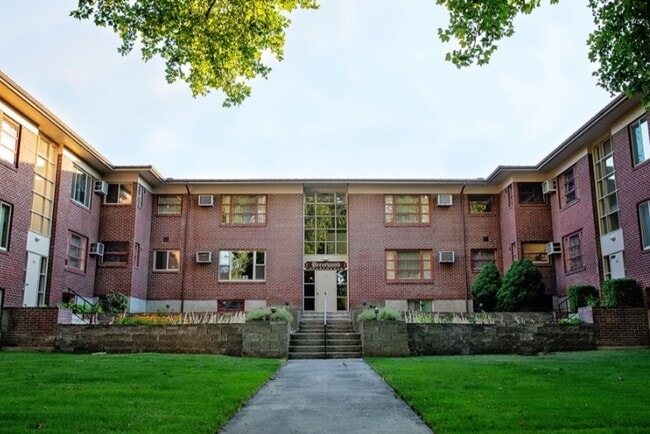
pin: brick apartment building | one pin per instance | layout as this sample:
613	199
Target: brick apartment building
70	219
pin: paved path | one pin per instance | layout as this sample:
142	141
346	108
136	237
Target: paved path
326	396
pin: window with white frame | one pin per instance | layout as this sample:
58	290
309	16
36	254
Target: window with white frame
409	265
644	221
119	194
243	209
170	204
5	225
480	203
82	186
140	192
407	208
640	140
166	260
9	135
606	188
235	265
568	187
481	257
572	253
536	252
136	255
115	253
77	252
530	192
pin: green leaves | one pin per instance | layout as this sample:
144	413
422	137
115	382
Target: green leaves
210	44
620	46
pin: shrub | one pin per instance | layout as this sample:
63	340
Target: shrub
384	314
522	289
579	296
269	314
115	302
486	286
622	293
570	321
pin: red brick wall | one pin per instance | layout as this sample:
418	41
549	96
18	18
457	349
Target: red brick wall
281	238
16	189
633	185
508	227
483	232
140	273
621	327
29	326
578	216
72	216
118	224
370	237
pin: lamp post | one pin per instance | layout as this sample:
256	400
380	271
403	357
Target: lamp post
376	311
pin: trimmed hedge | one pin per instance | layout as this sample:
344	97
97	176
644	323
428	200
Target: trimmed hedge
622	293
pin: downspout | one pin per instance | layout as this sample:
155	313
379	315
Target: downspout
462	213
186	233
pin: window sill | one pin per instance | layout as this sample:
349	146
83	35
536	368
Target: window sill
242	225
645	163
80	205
239	282
482	214
576	271
75	271
569	205
165	271
408	282
407	225
114	265
8	165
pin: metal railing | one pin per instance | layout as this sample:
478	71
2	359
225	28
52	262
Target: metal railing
85	313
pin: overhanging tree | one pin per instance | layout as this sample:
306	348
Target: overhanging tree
219	44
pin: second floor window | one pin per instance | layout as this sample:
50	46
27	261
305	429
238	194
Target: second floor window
530	192
407	208
243	209
9	134
170	205
119	194
480	203
568	187
82	184
640	140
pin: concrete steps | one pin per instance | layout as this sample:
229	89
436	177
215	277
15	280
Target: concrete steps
313	340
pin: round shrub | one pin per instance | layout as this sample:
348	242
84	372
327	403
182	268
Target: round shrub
269	314
384	314
522	289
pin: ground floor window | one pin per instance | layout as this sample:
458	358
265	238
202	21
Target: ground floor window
481	257
536	252
166	260
230	306
5	225
420	305
409	265
76	254
644	221
572	253
115	253
242	265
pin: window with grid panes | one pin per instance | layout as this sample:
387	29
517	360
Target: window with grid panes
243	209
407	209
409	265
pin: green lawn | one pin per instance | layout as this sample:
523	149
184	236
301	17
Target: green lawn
581	392
135	393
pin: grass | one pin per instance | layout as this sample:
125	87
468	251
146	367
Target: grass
580	392
135	393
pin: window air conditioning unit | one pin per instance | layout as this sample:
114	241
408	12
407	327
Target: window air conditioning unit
549	186
203	257
447	257
97	249
553	248
206	200
445	200
101	187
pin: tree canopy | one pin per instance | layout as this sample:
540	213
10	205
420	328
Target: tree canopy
219	44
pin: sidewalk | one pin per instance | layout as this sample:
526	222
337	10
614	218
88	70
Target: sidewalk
326	396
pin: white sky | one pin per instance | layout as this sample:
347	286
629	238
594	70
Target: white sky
363	92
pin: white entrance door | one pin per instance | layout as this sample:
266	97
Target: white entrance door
35	275
616	265
325	281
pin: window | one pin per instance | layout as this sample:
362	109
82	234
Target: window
535	252
82	184
606	189
572	253
136	255
482	257
644	220
77	249
5	225
242	265
480	203
640	140
509	195
115	253
140	192
243	209
119	194
326	224
166	260
9	134
43	191
568	187
409	265
407	209
170	205
530	192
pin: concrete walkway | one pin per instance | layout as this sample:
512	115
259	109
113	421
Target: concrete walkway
326	396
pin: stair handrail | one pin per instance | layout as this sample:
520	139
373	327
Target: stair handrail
85	302
325	324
